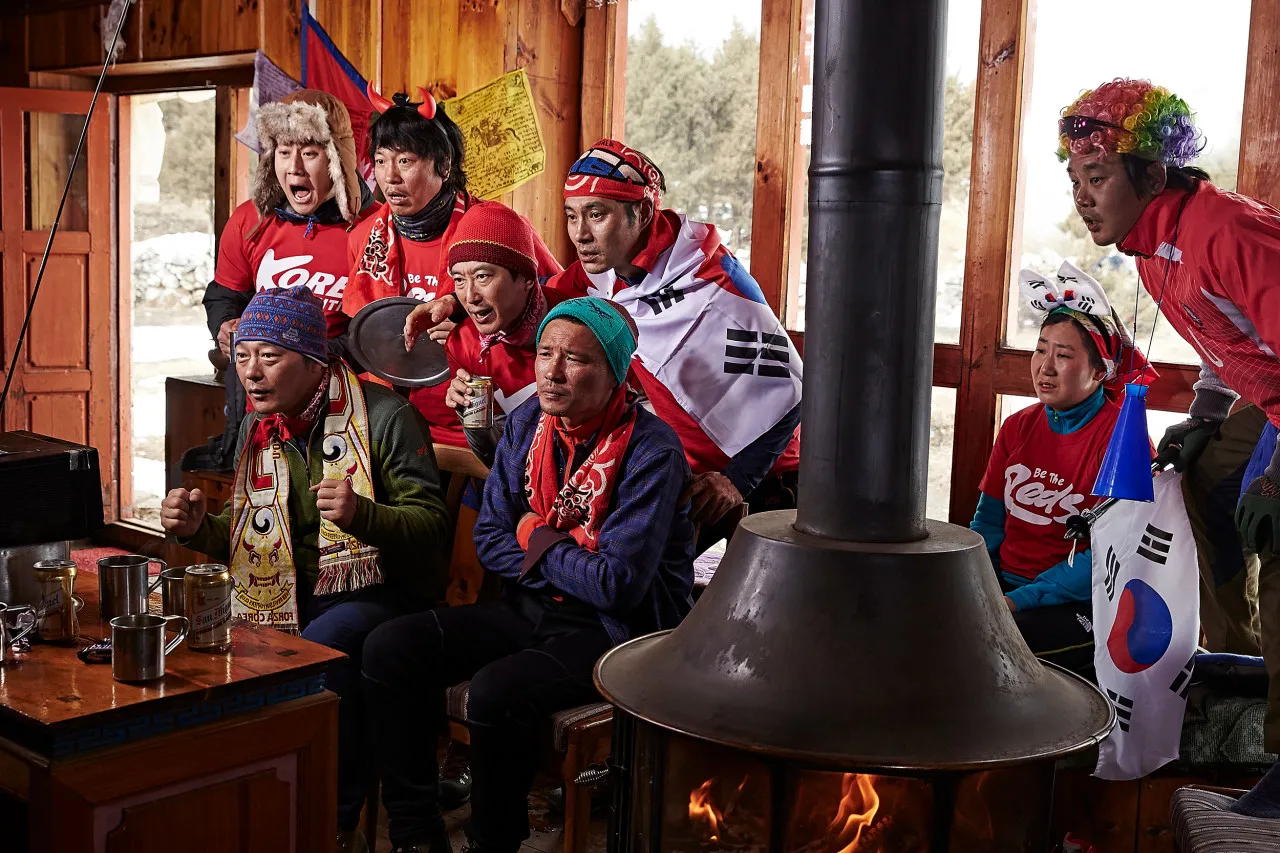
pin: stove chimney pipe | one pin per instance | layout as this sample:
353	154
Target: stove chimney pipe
875	193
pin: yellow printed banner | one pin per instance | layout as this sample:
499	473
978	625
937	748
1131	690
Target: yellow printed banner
503	140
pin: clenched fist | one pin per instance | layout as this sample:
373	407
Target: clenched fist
181	512
430	316
336	501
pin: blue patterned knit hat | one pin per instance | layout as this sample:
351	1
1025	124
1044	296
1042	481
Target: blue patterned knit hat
292	318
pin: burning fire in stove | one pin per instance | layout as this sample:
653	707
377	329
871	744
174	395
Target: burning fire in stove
831	813
858	805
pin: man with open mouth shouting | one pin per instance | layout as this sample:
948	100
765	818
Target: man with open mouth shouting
306	195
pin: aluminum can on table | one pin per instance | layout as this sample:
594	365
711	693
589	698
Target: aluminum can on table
208	590
56	609
479	411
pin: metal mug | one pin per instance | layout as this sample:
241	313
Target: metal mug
138	648
173	591
7	637
123	587
59	607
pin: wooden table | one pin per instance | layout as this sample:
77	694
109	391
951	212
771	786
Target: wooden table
228	752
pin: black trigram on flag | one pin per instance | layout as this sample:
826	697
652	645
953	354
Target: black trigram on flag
1155	545
1113	569
756	352
1182	683
664	298
1124	709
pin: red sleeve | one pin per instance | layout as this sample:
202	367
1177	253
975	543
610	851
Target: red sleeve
234	269
1244	253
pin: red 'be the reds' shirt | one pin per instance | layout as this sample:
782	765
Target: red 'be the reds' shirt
1043	478
279	255
423	276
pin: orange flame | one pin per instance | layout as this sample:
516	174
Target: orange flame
700	807
847	818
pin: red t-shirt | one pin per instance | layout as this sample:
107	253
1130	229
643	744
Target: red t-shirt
1043	479
422	267
423	276
279	255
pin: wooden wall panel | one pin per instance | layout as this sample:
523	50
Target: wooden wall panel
59	332
65	39
350	23
63	416
1002	53
228	26
1259	174
550	52
172	28
279	29
604	73
13	51
777	132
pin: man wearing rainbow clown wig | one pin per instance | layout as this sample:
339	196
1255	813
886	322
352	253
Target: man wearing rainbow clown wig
1208	257
1046	459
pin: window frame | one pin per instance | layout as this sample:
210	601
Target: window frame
982	368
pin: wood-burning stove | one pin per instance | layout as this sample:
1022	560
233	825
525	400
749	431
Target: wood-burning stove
852	679
681	795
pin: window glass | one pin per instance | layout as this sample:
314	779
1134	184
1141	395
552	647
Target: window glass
1073	51
692	76
942	433
963	19
171	178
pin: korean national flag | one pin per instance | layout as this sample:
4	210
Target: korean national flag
1146	624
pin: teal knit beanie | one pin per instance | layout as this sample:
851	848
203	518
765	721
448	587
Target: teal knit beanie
605	323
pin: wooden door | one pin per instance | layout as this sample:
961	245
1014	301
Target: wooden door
63	382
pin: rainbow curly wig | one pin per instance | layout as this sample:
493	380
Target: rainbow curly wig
1132	117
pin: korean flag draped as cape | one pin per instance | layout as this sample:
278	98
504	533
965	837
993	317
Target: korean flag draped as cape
706	332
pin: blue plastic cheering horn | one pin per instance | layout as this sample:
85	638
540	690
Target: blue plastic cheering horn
1126	469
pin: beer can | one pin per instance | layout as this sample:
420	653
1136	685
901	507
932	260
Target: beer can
56	609
208	589
479	411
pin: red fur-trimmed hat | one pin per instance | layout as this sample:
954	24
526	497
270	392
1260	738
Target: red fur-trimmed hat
493	233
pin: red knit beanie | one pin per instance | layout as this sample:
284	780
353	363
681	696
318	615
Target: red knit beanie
493	233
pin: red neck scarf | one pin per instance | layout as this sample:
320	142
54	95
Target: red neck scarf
379	271
288	428
580	505
525	328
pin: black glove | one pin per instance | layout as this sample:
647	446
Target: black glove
1189	439
1258	516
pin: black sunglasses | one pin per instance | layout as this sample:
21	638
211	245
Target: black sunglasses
1081	127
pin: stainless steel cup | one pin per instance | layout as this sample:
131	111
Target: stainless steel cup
10	634
138	648
123	587
173	591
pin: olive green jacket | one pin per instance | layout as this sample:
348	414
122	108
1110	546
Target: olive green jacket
406	520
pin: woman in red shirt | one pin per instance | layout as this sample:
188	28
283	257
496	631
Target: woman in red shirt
1044	463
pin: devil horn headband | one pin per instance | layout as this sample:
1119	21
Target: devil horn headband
427	109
